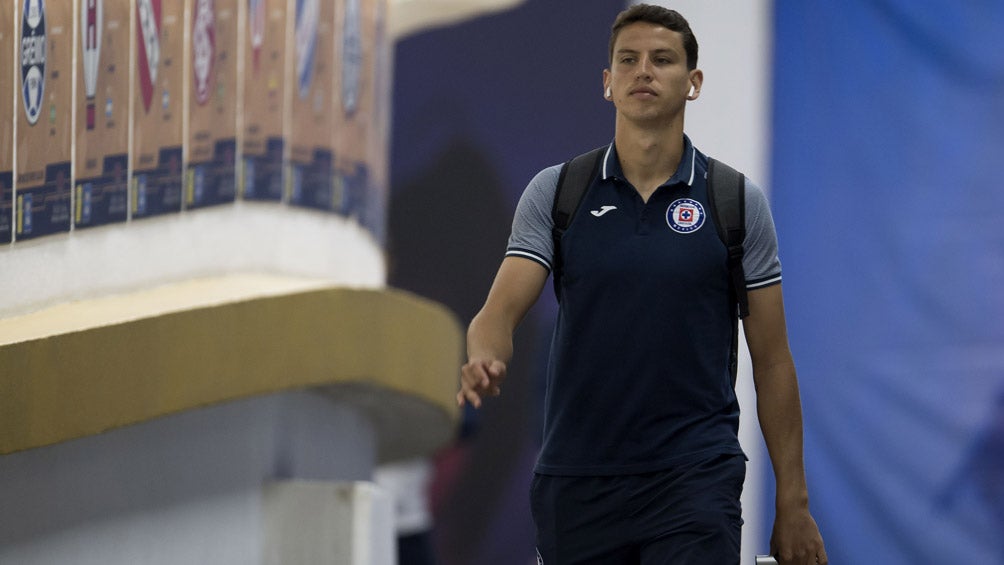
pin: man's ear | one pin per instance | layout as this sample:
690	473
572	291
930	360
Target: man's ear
696	81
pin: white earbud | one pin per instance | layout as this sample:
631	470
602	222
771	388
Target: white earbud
608	94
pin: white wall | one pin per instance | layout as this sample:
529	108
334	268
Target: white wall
243	237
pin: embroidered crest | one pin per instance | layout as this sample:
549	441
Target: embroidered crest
685	215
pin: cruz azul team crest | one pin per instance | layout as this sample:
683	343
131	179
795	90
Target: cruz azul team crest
685	215
33	58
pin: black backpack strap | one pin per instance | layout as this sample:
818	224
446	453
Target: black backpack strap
573	181
727	196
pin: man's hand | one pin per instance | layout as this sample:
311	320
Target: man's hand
796	539
480	378
489	337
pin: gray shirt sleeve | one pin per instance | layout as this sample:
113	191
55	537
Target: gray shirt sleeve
532	223
760	259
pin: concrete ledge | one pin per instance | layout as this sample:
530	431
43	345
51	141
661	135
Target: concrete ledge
97	365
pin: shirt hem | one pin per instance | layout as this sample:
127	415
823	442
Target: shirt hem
528	255
634	468
764	282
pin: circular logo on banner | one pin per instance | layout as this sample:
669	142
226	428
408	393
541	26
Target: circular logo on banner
203	49
685	215
33	58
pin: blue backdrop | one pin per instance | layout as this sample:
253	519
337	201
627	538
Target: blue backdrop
888	122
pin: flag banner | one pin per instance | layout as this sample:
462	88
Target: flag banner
312	182
101	151
157	118
267	89
210	176
357	133
44	118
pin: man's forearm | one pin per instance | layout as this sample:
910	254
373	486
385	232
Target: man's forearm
780	413
489	337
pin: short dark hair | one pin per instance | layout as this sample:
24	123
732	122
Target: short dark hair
669	19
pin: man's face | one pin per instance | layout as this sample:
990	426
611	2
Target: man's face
648	76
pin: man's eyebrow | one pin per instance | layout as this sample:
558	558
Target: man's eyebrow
663	51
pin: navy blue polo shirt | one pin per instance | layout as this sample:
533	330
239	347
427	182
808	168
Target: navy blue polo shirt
638	377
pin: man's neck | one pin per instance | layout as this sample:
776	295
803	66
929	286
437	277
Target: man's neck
648	156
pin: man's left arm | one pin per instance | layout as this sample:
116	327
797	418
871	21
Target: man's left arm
796	537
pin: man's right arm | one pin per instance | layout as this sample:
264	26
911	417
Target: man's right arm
517	286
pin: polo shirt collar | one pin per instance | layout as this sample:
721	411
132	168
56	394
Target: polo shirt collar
611	165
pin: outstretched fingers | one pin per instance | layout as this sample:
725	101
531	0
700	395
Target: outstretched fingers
478	379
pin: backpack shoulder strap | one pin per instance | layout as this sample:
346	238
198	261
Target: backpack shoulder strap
727	196
573	181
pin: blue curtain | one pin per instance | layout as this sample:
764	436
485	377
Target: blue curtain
888	188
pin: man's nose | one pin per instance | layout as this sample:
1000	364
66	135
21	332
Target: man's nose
645	69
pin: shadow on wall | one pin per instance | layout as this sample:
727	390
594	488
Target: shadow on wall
448	227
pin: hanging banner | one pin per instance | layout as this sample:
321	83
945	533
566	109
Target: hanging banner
378	188
312	181
7	35
360	129
157	118
890	213
101	155
44	117
212	140
267	87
